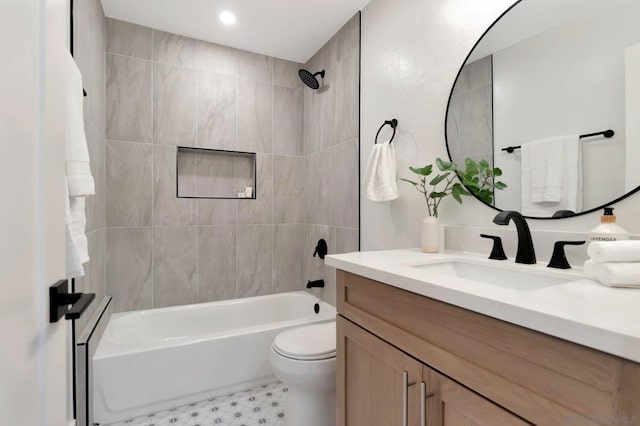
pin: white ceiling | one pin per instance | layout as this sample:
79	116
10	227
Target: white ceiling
286	29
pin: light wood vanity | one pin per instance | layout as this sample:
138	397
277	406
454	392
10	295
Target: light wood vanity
406	359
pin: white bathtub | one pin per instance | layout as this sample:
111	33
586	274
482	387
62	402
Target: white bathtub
157	359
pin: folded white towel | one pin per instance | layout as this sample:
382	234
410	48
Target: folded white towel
551	177
619	274
614	251
381	173
79	176
591	268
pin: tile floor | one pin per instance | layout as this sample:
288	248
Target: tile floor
263	405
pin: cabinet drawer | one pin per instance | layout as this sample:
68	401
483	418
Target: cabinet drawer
541	378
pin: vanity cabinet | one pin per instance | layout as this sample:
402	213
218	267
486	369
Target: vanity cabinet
381	385
405	359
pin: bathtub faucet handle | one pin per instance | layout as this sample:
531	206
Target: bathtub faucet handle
321	249
315	284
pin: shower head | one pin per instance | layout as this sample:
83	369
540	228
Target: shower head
310	79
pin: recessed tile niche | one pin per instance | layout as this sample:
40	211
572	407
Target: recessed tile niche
212	173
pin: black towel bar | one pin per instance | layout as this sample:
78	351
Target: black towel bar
606	133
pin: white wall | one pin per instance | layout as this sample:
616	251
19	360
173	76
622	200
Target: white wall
411	53
569	80
632	77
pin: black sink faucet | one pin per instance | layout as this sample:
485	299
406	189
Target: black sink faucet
526	253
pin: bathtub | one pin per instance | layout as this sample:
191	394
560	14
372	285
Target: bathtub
153	360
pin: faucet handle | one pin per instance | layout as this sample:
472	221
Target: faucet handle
497	252
559	258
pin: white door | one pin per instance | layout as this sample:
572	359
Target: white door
34	383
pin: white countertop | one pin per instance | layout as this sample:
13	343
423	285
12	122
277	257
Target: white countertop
581	310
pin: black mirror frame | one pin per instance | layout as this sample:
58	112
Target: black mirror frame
446	119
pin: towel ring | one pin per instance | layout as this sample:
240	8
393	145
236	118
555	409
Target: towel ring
393	123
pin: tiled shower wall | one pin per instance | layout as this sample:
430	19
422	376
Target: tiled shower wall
89	37
470	118
331	150
165	90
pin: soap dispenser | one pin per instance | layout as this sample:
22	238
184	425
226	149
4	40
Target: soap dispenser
608	230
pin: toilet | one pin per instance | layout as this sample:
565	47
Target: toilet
304	358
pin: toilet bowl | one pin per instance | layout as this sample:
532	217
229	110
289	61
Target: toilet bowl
304	358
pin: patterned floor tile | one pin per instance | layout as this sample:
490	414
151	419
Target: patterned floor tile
263	405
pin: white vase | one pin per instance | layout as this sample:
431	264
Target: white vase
430	235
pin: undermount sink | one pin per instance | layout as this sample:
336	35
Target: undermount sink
495	275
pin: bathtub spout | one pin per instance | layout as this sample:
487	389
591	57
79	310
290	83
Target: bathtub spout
315	284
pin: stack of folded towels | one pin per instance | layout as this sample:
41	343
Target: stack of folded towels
614	263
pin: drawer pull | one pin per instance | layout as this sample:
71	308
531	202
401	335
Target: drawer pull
405	398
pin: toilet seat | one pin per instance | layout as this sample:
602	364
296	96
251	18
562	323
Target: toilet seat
307	343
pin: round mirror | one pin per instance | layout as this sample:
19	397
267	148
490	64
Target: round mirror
550	95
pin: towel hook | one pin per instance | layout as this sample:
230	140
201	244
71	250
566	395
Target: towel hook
393	123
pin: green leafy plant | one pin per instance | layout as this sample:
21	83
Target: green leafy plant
477	179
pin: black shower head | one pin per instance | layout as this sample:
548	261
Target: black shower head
310	79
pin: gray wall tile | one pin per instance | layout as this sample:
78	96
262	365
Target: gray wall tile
174	49
288	189
255	257
288	261
129	99
326	110
288	116
260	210
174	105
215	58
255	67
125	38
129	278
311	122
217	270
217	120
129	183
215	176
89	40
319	190
174	266
348	38
476	122
345	183
347	98
285	73
217	212
346	240
168	210
254	116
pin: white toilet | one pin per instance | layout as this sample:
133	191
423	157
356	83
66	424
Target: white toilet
304	358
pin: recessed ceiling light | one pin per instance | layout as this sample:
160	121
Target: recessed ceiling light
227	18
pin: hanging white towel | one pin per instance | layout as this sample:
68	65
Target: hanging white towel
381	173
551	176
79	180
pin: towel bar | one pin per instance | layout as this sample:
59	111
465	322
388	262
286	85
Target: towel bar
60	299
393	123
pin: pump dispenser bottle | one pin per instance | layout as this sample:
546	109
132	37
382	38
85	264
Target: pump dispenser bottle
608	230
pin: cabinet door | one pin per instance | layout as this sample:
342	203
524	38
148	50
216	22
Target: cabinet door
377	384
447	403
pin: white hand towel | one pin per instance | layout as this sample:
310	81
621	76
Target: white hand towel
79	181
546	160
545	179
619	274
614	251
381	173
79	176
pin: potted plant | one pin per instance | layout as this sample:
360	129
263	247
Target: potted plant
476	178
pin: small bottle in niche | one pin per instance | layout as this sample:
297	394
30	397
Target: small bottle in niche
240	194
608	230
248	192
